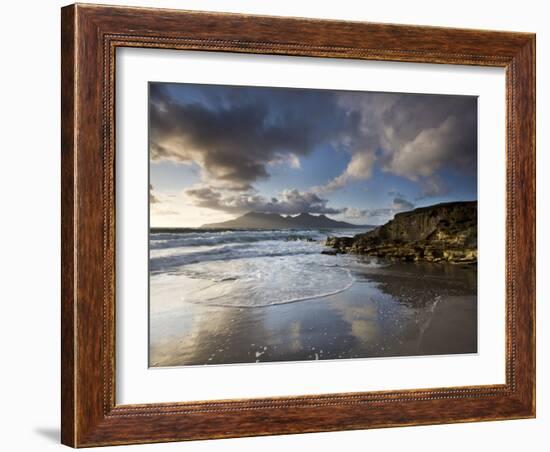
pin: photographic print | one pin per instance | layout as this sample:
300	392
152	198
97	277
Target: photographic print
294	224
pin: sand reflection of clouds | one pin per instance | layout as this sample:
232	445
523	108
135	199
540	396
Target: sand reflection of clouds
363	321
186	334
295	343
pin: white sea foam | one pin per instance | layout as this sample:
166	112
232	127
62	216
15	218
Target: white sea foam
243	268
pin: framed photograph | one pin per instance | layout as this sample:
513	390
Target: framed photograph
281	225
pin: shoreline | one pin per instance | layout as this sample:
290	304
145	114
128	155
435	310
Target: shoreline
384	313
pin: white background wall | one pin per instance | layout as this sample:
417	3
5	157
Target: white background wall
29	329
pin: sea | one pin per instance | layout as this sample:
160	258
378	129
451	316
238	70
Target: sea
221	297
248	268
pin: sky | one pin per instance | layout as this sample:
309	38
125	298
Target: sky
217	152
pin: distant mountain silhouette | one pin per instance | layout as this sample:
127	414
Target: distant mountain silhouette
258	220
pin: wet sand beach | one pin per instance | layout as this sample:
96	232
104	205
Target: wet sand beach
398	309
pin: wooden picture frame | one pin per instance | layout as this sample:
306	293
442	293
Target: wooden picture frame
90	36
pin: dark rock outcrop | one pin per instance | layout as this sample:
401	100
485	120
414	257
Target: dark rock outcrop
440	233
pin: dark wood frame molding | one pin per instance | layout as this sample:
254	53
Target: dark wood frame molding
90	36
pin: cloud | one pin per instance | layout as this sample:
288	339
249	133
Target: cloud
410	135
353	213
166	212
359	167
289	202
400	205
432	187
396	194
235	133
428	151
379	215
152	198
290	160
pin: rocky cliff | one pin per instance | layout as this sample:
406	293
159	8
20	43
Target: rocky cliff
440	233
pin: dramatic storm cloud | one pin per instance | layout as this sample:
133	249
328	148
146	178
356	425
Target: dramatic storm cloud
225	150
410	135
235	133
